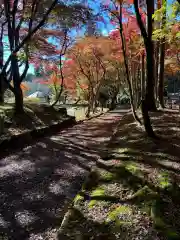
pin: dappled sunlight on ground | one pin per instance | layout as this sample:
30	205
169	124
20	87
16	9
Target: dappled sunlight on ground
37	183
137	186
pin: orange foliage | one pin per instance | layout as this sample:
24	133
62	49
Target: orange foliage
171	67
24	87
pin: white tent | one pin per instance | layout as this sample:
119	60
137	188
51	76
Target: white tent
37	94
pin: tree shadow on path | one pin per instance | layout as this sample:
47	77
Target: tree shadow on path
38	182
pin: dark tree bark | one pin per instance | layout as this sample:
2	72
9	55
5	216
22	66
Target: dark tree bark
147	36
148	103
1	91
147	122
113	103
156	68
161	63
2	85
149	98
126	65
161	75
18	100
62	52
17	86
142	77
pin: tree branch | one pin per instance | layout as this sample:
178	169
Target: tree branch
30	34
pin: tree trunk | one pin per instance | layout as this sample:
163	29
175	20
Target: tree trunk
147	122
88	111
142	77
149	96
18	100
90	105
126	66
147	36
161	76
1	91
161	66
156	69
1	66
113	103
17	86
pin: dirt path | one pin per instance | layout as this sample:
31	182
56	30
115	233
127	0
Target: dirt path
36	182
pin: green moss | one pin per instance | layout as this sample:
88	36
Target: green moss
133	168
92	203
164	180
97	192
113	215
123	150
146	207
105	175
122	223
144	194
172	235
78	198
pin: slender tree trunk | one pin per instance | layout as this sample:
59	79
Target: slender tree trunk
161	75
156	69
1	66
18	100
150	97
91	103
161	65
157	57
1	90
147	36
148	103
142	77
147	122
17	86
113	102
126	66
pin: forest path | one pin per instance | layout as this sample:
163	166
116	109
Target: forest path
37	182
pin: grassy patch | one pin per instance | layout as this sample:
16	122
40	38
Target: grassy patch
35	115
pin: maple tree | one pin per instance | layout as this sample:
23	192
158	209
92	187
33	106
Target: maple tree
127	35
53	71
23	21
91	61
135	55
129	31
